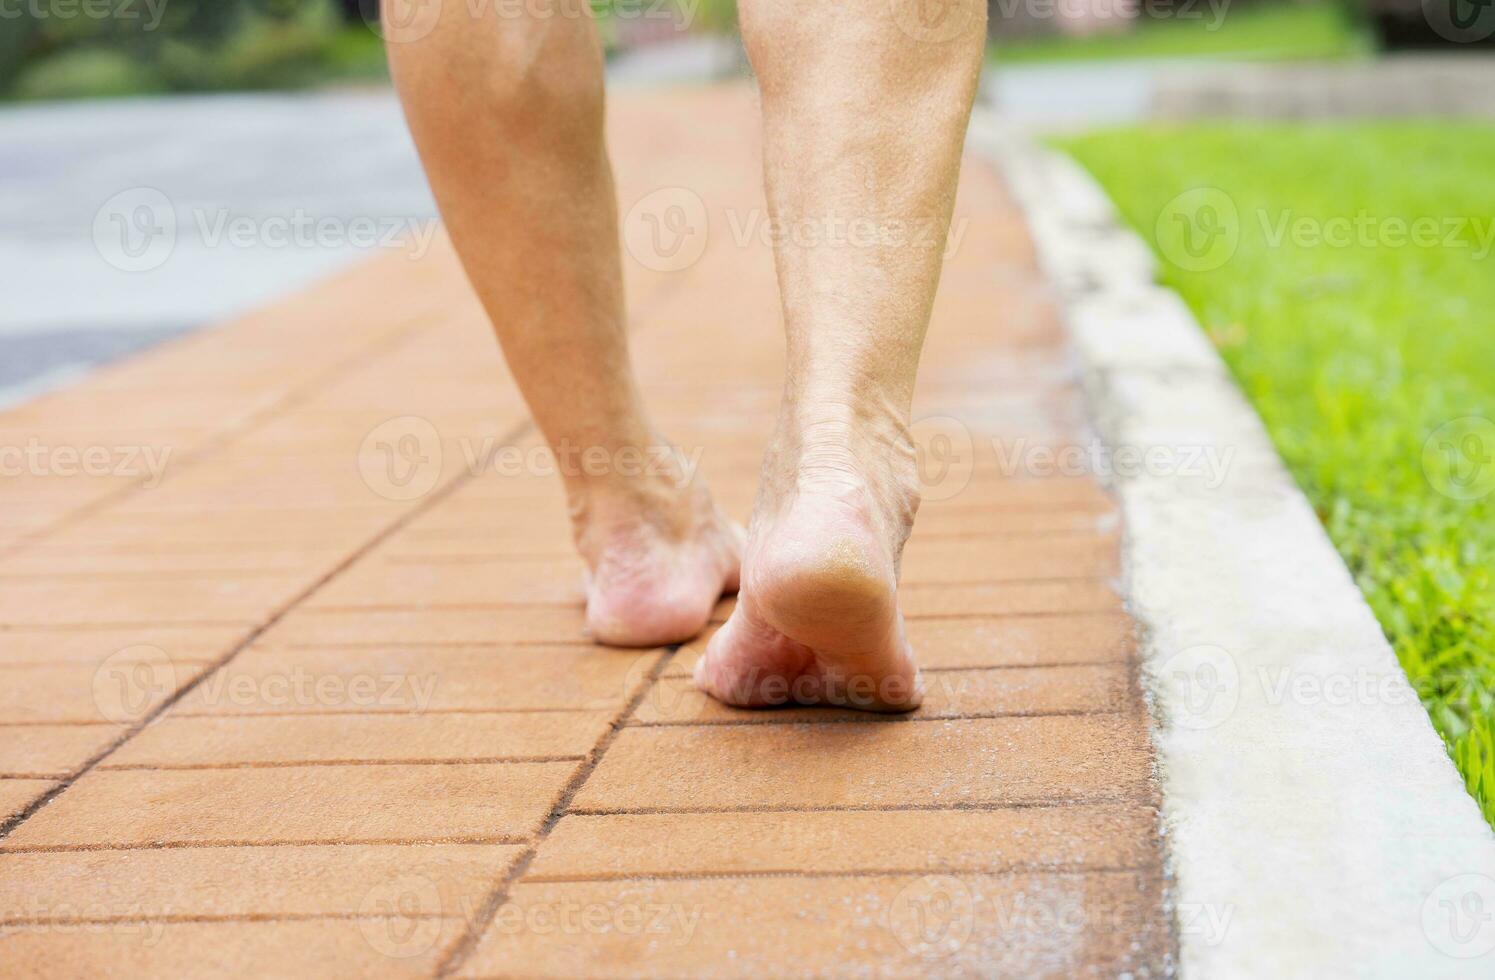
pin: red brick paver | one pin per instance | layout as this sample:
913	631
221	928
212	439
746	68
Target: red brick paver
319	702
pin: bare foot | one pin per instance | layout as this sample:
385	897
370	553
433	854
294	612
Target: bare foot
659	556
817	621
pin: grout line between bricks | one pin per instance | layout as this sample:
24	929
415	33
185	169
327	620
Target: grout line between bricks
392	712
308	763
460	950
232	434
431	500
55	627
444	606
43	776
83	921
106	627
910	719
82	665
1097	799
425	644
62	723
507	840
378	713
168	575
1003	872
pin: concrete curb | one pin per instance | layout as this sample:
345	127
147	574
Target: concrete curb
1315	823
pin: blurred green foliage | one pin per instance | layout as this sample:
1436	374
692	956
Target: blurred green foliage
73	48
67	48
1267	30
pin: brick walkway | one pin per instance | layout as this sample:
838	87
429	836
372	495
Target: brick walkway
312	706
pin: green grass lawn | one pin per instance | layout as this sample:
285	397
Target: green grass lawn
1358	343
1269	31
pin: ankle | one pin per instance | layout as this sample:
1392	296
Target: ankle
847	450
654	492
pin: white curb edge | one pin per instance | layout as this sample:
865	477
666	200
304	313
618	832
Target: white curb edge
1315	824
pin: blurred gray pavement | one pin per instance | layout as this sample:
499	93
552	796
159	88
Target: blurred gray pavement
123	222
